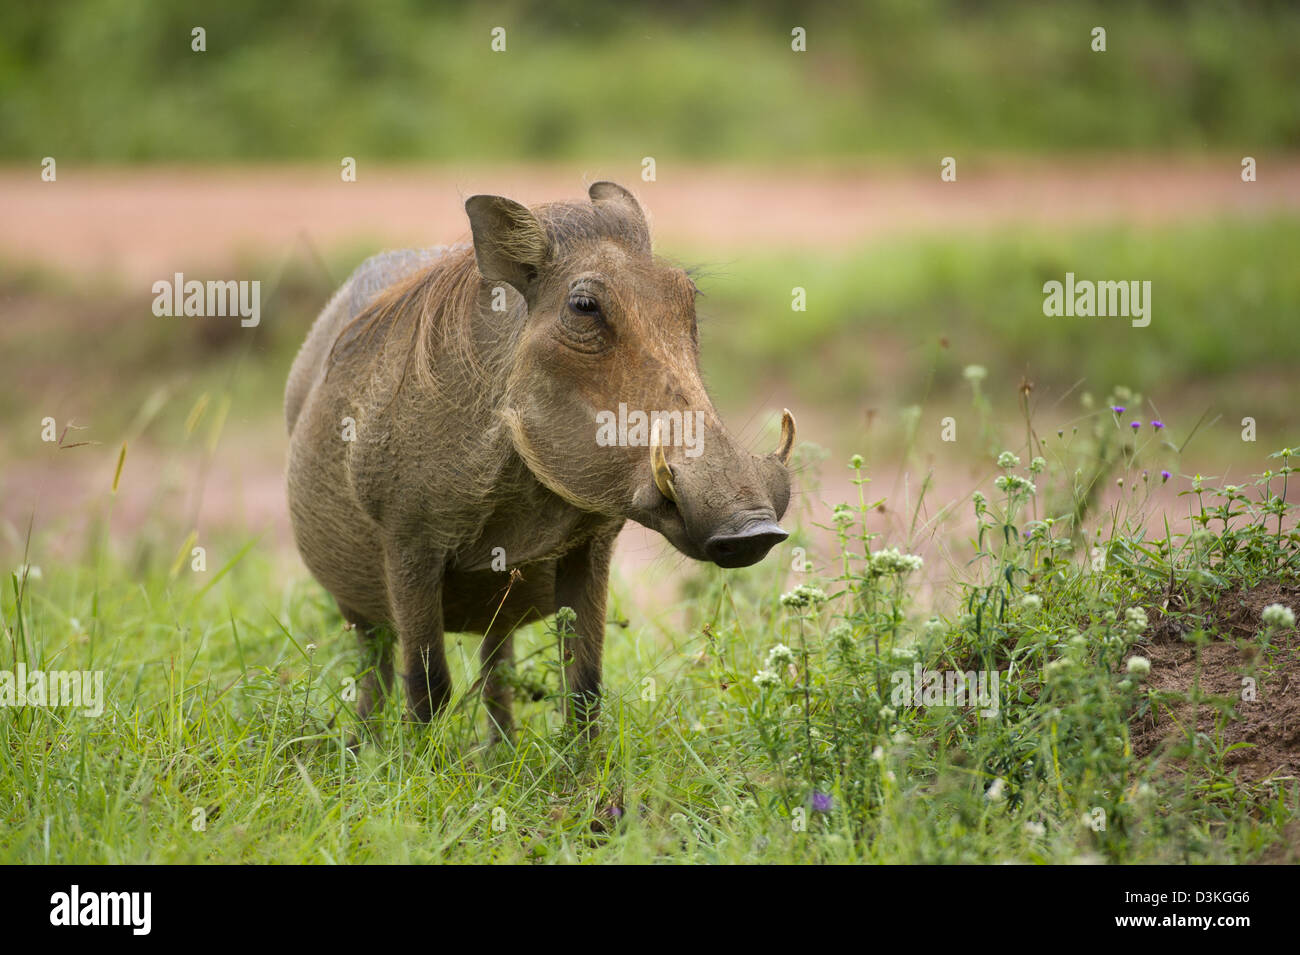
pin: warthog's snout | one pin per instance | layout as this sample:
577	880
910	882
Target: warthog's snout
747	546
722	507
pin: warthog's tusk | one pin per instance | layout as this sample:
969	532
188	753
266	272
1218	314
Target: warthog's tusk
782	452
663	474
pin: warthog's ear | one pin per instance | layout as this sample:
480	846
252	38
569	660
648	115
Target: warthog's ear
612	193
509	243
605	190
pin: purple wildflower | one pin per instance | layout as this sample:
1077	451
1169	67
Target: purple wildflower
821	802
1157	425
1164	476
1118	409
1135	425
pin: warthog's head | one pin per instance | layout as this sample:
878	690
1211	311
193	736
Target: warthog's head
604	398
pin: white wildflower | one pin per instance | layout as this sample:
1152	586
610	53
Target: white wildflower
891	561
1278	617
1135	620
803	595
1014	482
779	656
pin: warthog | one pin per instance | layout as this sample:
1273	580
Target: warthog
443	428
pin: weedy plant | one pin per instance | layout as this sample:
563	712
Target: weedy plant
1008	724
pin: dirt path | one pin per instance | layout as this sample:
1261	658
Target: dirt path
143	223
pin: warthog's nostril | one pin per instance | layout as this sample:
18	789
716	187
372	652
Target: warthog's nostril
748	546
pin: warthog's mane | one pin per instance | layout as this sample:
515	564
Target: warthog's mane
436	304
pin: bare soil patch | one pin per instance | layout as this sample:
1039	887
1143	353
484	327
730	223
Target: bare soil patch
1268	725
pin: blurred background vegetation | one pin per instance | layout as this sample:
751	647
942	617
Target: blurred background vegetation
115	80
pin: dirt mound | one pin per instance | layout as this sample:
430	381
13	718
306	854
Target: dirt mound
1233	679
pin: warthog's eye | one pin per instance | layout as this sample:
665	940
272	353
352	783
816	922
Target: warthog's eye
584	305
582	326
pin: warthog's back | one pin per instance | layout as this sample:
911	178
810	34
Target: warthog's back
370	278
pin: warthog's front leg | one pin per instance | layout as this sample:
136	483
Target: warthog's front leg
414	577
582	583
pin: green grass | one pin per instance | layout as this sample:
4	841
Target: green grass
398	80
765	730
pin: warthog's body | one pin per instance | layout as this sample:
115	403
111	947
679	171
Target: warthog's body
501	506
436	442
